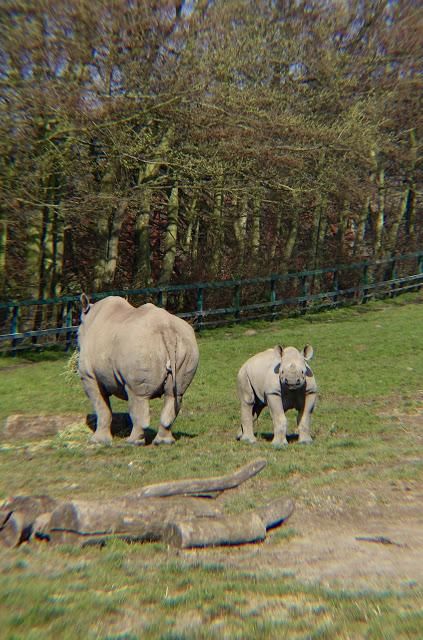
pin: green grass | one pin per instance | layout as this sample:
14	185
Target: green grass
368	365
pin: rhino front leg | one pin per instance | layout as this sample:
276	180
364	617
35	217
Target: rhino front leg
169	412
280	423
139	410
101	403
246	397
304	418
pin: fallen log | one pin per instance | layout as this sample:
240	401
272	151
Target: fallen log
229	530
142	519
203	487
223	530
13	530
276	512
173	515
18	515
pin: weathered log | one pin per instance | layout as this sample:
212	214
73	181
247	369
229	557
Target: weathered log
78	520
19	514
207	532
205	486
13	530
41	527
276	512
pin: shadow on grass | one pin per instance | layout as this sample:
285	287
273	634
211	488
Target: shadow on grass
122	426
291	437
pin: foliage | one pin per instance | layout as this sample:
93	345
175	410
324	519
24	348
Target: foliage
184	140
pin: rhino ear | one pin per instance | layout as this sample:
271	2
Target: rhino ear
308	352
278	351
85	303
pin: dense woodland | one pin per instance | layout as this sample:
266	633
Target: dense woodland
147	142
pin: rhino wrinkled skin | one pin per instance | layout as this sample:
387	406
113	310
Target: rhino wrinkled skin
281	379
135	354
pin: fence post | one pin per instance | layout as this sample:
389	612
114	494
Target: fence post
69	307
14	328
200	308
272	295
237	302
160	298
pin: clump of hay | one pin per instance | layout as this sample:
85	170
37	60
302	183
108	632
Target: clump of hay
70	370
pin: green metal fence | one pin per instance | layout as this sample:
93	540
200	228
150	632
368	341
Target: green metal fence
36	324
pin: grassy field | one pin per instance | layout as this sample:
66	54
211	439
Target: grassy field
365	461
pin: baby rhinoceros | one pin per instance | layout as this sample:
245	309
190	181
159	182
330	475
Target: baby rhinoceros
281	379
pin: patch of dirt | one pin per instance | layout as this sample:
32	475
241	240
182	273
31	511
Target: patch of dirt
325	548
323	545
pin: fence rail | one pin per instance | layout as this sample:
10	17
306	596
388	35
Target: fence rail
31	324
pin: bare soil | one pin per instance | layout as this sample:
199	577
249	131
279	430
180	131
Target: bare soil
325	547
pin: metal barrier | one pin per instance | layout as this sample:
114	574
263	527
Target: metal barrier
32	323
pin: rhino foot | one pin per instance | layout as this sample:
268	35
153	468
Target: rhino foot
164	440
249	439
98	438
279	444
307	440
136	442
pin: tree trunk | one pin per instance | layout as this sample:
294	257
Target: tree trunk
33	251
142	265
342	227
146	175
255	228
3	248
398	217
380	214
216	230
290	242
361	228
276	234
170	238
57	240
240	229
187	241
319	225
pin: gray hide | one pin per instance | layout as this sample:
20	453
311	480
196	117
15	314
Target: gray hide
281	379
135	354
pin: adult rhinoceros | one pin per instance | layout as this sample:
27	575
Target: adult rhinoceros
281	379
135	354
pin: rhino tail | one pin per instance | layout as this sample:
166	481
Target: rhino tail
171	368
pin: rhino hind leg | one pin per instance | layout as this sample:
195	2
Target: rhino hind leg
169	412
139	410
101	403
